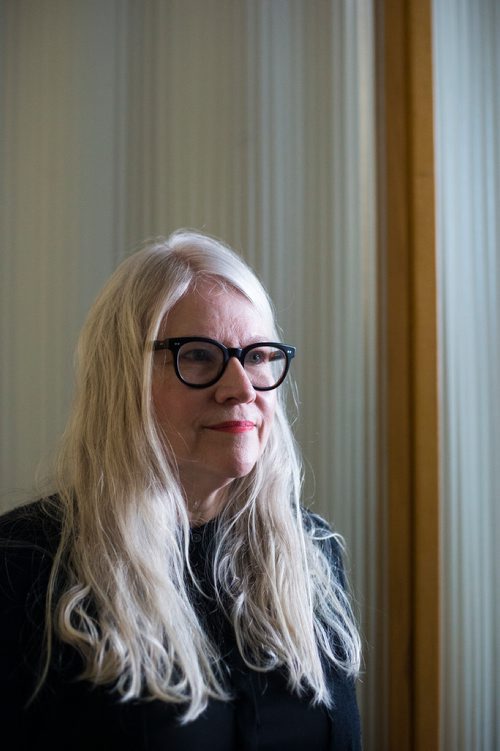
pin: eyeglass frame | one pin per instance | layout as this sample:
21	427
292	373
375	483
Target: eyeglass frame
173	344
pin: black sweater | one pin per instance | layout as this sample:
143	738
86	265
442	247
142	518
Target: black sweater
73	714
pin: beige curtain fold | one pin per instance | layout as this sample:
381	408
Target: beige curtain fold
467	91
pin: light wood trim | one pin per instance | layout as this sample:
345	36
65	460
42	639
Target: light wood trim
409	369
394	296
425	384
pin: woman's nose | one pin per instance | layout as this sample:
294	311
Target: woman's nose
234	384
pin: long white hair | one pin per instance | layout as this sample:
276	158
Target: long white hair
122	575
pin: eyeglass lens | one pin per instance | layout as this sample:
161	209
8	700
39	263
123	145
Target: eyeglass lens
203	362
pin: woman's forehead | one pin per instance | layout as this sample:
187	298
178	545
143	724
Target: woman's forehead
214	305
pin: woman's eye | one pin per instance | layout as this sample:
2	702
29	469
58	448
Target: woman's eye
197	355
257	357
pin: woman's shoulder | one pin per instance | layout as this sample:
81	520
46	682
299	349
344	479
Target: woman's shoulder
35	524
29	536
314	521
327	539
320	529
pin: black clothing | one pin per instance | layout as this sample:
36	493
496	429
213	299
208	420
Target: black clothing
73	714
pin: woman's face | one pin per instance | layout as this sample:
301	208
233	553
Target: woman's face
216	433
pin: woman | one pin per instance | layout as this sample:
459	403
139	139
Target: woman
173	593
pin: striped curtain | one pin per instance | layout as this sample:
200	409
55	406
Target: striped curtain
467	112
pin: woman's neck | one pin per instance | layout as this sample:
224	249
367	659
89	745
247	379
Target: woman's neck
202	510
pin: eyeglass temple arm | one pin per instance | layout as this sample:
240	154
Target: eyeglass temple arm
161	344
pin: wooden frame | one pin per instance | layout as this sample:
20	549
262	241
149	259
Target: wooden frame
408	376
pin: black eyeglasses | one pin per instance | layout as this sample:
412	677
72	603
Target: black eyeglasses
200	362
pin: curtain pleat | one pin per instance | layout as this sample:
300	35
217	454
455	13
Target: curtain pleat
467	113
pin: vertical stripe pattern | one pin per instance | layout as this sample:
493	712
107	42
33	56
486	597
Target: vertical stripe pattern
467	85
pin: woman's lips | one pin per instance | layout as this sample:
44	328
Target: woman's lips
233	426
